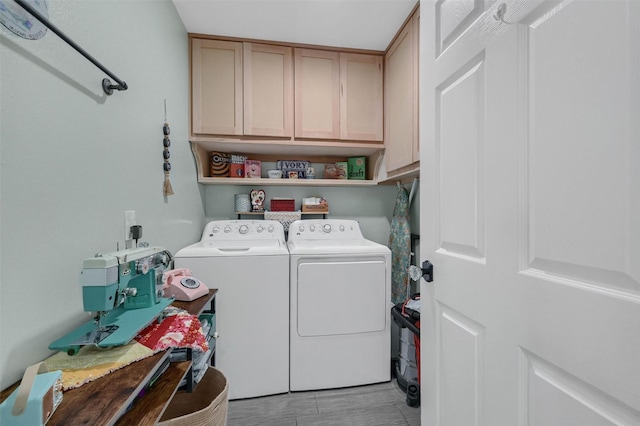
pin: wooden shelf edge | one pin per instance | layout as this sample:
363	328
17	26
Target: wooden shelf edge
148	409
285	182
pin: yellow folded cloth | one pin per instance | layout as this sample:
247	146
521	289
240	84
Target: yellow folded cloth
91	362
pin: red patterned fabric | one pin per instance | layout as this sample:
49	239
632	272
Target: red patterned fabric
176	331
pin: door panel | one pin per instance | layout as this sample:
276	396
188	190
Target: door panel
460	364
529	211
460	99
268	90
572	175
216	93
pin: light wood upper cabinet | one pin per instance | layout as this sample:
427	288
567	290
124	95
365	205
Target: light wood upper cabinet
338	95
268	90
401	98
361	97
216	87
317	104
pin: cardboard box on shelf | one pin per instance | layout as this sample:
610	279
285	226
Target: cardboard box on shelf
342	169
237	165
334	171
253	169
356	168
293	169
220	164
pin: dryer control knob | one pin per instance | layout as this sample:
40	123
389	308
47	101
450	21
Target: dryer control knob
244	229
216	230
271	228
341	228
227	229
260	228
301	228
326	228
312	228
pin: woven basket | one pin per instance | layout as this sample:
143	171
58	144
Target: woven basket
205	406
285	218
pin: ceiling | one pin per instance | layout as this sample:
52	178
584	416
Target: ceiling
359	24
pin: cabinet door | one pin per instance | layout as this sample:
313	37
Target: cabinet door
360	97
268	90
401	136
317	100
216	87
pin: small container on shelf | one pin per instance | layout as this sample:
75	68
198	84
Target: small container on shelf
282	204
315	205
274	174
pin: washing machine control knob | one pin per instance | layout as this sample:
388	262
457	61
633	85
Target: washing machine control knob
326	228
243	229
216	230
312	228
260	228
341	228
271	228
227	229
301	228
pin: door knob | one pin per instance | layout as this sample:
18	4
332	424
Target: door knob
425	272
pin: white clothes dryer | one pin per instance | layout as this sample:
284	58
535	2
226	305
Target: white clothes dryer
340	306
248	262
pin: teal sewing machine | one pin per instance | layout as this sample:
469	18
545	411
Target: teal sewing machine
124	289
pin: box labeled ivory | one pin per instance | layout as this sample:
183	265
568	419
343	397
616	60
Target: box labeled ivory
293	169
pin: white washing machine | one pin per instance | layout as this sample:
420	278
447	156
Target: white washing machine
248	262
340	306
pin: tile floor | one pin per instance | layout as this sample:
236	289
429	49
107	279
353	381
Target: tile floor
382	404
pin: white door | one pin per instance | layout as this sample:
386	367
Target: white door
530	169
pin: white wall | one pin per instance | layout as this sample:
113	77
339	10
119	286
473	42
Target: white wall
371	206
73	160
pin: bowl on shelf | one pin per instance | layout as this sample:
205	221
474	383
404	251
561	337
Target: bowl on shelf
274	174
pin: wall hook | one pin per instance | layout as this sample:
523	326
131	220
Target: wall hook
500	12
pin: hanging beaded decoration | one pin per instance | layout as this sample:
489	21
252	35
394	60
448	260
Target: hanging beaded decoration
167	189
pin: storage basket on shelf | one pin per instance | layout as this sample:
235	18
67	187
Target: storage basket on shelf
205	406
285	218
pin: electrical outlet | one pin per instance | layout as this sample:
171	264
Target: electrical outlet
129	221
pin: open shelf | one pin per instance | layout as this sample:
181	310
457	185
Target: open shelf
312	151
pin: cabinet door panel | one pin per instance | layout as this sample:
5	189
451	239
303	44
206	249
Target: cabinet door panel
360	97
216	84
400	101
317	82
268	90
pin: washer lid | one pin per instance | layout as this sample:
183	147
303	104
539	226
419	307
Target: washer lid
234	248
